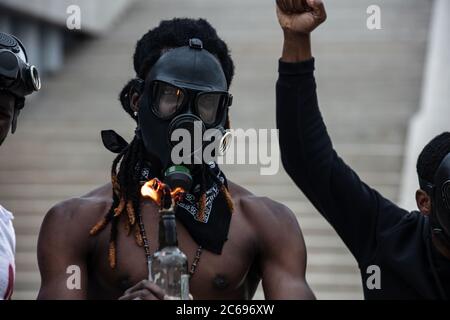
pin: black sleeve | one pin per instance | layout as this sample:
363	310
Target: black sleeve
357	212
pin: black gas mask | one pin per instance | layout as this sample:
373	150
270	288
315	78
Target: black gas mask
185	89
439	191
17	76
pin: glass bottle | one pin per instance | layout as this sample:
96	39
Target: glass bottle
169	266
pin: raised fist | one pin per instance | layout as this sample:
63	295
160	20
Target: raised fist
300	16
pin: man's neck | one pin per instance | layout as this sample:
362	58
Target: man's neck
441	246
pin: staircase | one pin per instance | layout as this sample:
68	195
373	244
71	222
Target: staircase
369	86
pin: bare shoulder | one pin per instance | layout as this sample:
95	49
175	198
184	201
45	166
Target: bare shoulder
263	212
277	232
76	216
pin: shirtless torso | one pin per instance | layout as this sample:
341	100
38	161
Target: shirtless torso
264	243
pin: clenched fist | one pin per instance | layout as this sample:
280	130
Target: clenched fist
300	16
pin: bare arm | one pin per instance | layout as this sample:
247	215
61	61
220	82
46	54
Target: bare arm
62	248
282	253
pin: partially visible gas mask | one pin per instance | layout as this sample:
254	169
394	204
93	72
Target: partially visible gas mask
439	191
185	89
17	76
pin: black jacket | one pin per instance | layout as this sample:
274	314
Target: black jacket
376	231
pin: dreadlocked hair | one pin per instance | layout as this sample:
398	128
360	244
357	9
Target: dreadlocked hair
125	180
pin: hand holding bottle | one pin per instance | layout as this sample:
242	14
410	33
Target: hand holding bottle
144	290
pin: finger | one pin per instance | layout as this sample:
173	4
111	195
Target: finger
142	294
293	6
132	296
155	289
301	6
136	287
288	6
281	5
318	9
148	285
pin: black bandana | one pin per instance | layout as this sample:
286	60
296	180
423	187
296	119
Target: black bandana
209	231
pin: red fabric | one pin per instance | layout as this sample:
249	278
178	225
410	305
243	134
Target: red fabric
10	288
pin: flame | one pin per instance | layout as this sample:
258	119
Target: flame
154	190
177	194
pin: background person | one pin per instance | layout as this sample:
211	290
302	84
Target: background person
412	249
7	235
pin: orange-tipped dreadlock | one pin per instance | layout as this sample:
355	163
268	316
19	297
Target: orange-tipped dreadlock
131	213
98	227
202	207
126	196
138	237
112	254
118	211
228	198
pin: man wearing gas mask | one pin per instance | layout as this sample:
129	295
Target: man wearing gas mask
411	250
7	236
233	239
17	79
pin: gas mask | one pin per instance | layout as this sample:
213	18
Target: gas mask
17	76
185	89
439	191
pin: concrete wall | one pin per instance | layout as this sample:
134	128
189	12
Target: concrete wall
96	15
433	116
42	25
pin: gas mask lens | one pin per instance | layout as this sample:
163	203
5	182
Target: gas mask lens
208	105
167	100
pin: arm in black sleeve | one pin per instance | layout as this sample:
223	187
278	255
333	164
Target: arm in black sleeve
357	212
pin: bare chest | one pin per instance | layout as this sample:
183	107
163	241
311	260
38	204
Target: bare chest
230	275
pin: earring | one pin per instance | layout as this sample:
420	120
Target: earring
135	113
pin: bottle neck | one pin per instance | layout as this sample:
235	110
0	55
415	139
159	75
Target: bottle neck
167	231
